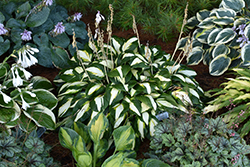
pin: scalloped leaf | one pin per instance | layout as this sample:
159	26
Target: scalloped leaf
219	65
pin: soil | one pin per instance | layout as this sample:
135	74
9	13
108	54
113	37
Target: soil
206	81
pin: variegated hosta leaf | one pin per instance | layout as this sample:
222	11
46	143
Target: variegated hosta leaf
128	45
195	57
99	101
207	23
81	112
224	36
222	12
207	56
165	103
94	89
247	31
141	127
202	35
219	65
114	93
84	55
67	137
220	49
135	108
245	50
212	36
183	96
118	121
192	22
116	44
124	138
236	5
202	15
152	124
95	71
189	73
224	21
145	117
10	114
182	43
97	127
240	21
71	88
64	108
147	86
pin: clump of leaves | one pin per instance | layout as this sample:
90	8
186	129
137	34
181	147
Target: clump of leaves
221	37
42	25
20	149
129	82
196	141
236	97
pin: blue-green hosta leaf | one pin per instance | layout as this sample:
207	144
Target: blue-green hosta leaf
212	36
2	17
97	127
224	36
80	113
219	65
236	5
61	40
4	46
38	18
220	49
95	71
247	31
239	21
23	10
141	127
182	43
207	23
84	159
224	21
64	108
222	12
99	101
192	22
84	55
195	57
203	14
124	138
128	45
46	98
207	56
60	58
202	35
67	137
42	116
154	162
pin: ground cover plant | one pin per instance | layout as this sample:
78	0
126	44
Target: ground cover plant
160	17
43	25
22	149
235	97
220	38
198	141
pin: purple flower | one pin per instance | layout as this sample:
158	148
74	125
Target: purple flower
2	29
59	28
241	28
77	16
48	2
26	35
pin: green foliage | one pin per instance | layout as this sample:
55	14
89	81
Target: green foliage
197	141
221	37
40	20
23	102
235	96
130	84
20	149
160	17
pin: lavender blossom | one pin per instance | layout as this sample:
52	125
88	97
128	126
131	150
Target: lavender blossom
244	40
59	28
26	35
2	29
77	16
241	28
48	2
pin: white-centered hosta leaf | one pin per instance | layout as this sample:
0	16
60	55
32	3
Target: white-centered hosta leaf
92	46
145	117
132	92
141	57
180	77
119	69
68	72
147	86
189	73
114	93
193	92
99	102
141	127
119	121
183	96
107	63
118	110
165	103
152	101
136	61
94	88
116	45
128	43
188	80
172	69
81	112
152	125
96	71
63	109
162	78
144	107
109	48
84	55
134	108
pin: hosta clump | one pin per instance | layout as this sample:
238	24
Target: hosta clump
235	96
221	37
20	149
25	102
130	83
189	141
45	25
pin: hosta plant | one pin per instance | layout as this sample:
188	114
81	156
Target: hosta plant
25	102
234	97
221	37
129	82
198	141
89	144
20	149
43	24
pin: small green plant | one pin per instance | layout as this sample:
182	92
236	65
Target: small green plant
82	139
221	37
43	25
20	149
235	96
25	102
197	141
